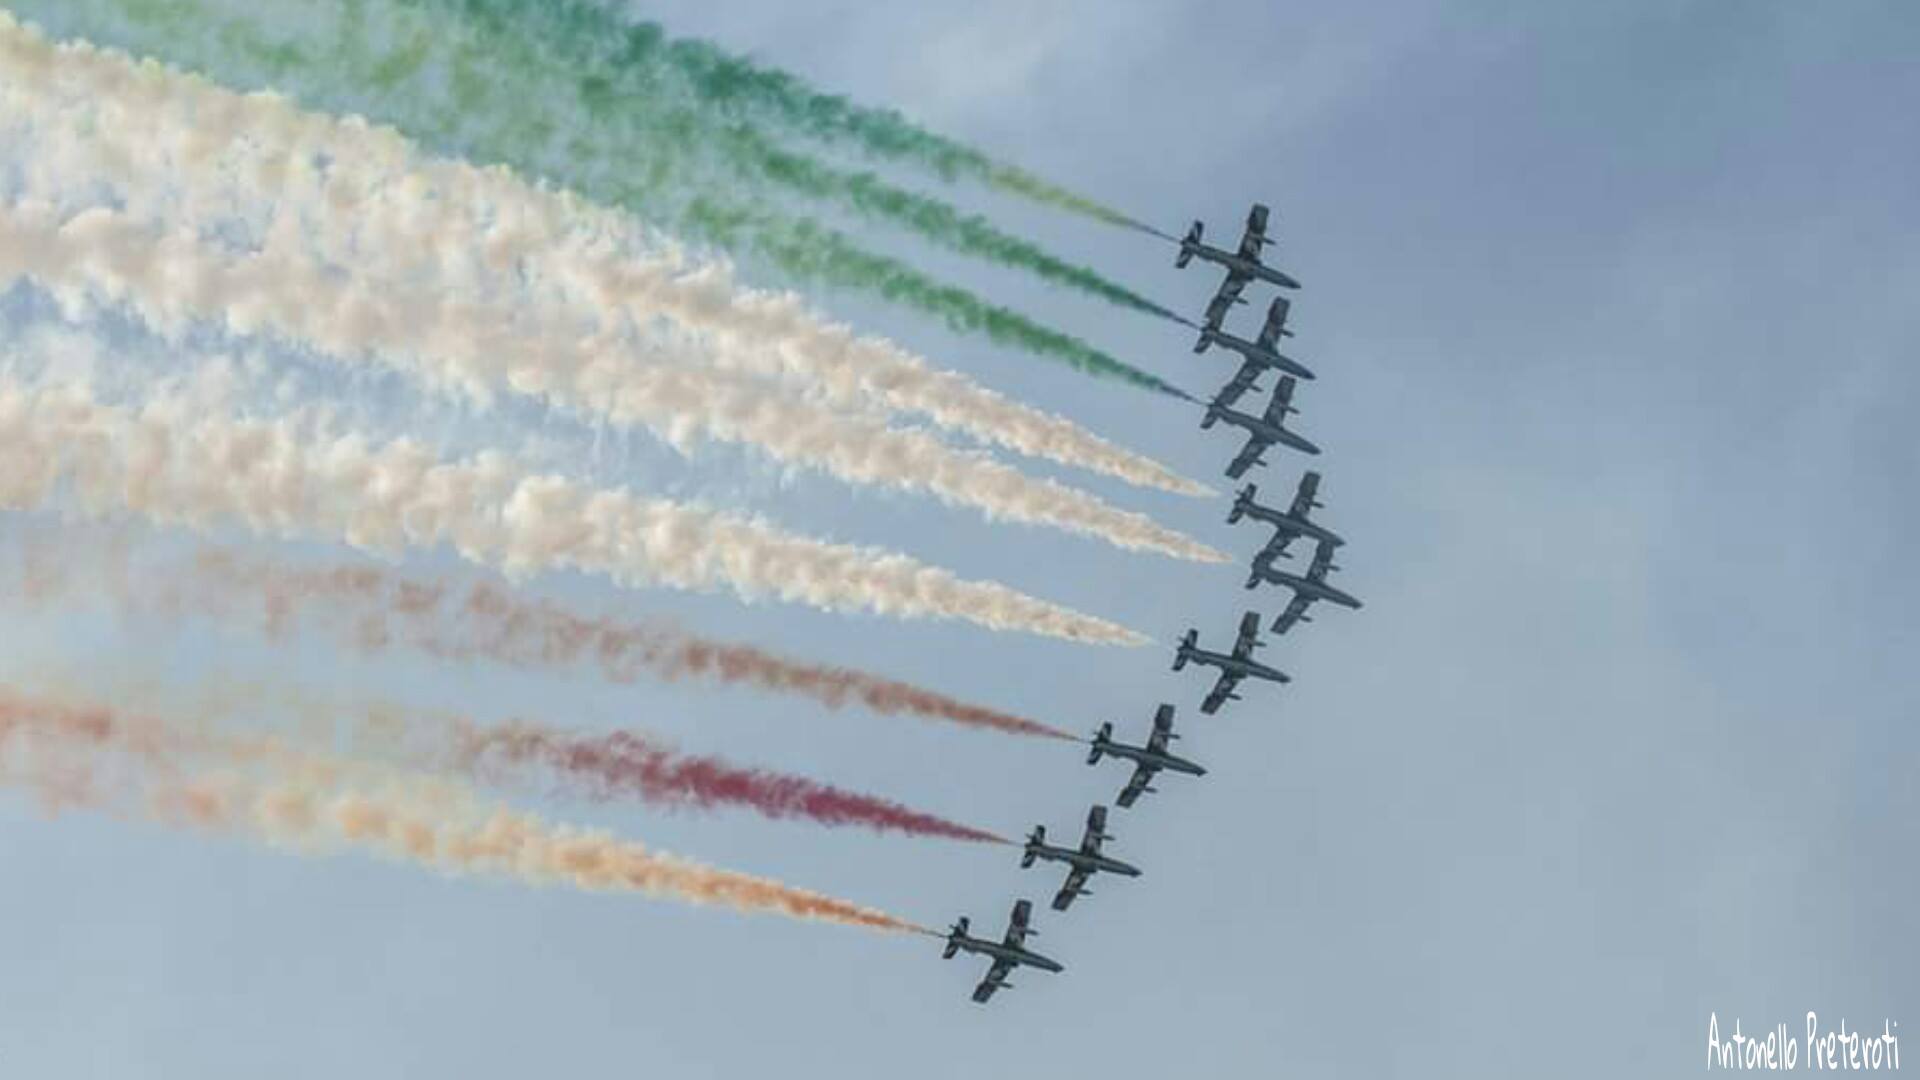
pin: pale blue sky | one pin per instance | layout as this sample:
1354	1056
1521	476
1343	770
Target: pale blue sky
1613	312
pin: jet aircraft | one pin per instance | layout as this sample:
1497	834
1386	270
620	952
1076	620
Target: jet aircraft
1307	588
1258	354
1083	862
1289	524
1234	666
1262	431
1008	953
1148	760
1242	265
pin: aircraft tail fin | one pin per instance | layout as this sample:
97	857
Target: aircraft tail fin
1191	639
1181	260
1100	738
1201	344
959	930
1241	502
1281	403
1212	417
1038	837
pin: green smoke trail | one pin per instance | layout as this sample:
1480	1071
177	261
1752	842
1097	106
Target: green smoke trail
586	38
462	90
736	83
968	233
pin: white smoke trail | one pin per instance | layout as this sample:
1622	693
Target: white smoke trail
170	462
172	278
377	194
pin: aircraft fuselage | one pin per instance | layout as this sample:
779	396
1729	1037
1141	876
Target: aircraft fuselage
1256	352
1260	428
1002	951
1293	526
1227	662
1319	590
1233	260
1081	860
1152	759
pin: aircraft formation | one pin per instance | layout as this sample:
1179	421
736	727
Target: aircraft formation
1264	430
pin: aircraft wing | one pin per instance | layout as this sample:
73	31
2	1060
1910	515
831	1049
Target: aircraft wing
1075	885
1241	382
1096	831
1276	547
1225	297
1303	498
996	978
1222	690
1137	783
1017	926
1282	401
1296	609
1276	326
1322	562
1255	237
1162	729
1247	457
1249	636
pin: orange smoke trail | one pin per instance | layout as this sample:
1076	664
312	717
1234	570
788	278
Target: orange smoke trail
485	622
309	802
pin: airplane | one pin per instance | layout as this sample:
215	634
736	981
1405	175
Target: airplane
1147	760
1290	524
1262	431
1259	353
1307	588
1242	266
1233	666
1008	953
1083	861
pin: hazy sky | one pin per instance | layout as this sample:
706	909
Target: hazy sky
1613	310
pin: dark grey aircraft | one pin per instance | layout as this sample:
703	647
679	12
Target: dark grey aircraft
1008	953
1259	354
1262	431
1233	666
1242	266
1307	588
1082	862
1289	524
1147	760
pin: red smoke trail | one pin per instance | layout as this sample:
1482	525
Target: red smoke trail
623	764
482	621
306	803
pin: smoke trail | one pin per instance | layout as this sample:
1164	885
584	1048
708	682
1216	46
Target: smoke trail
625	764
494	100
176	146
373	608
564	45
632	58
174	278
936	220
809	251
621	765
172	464
311	804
